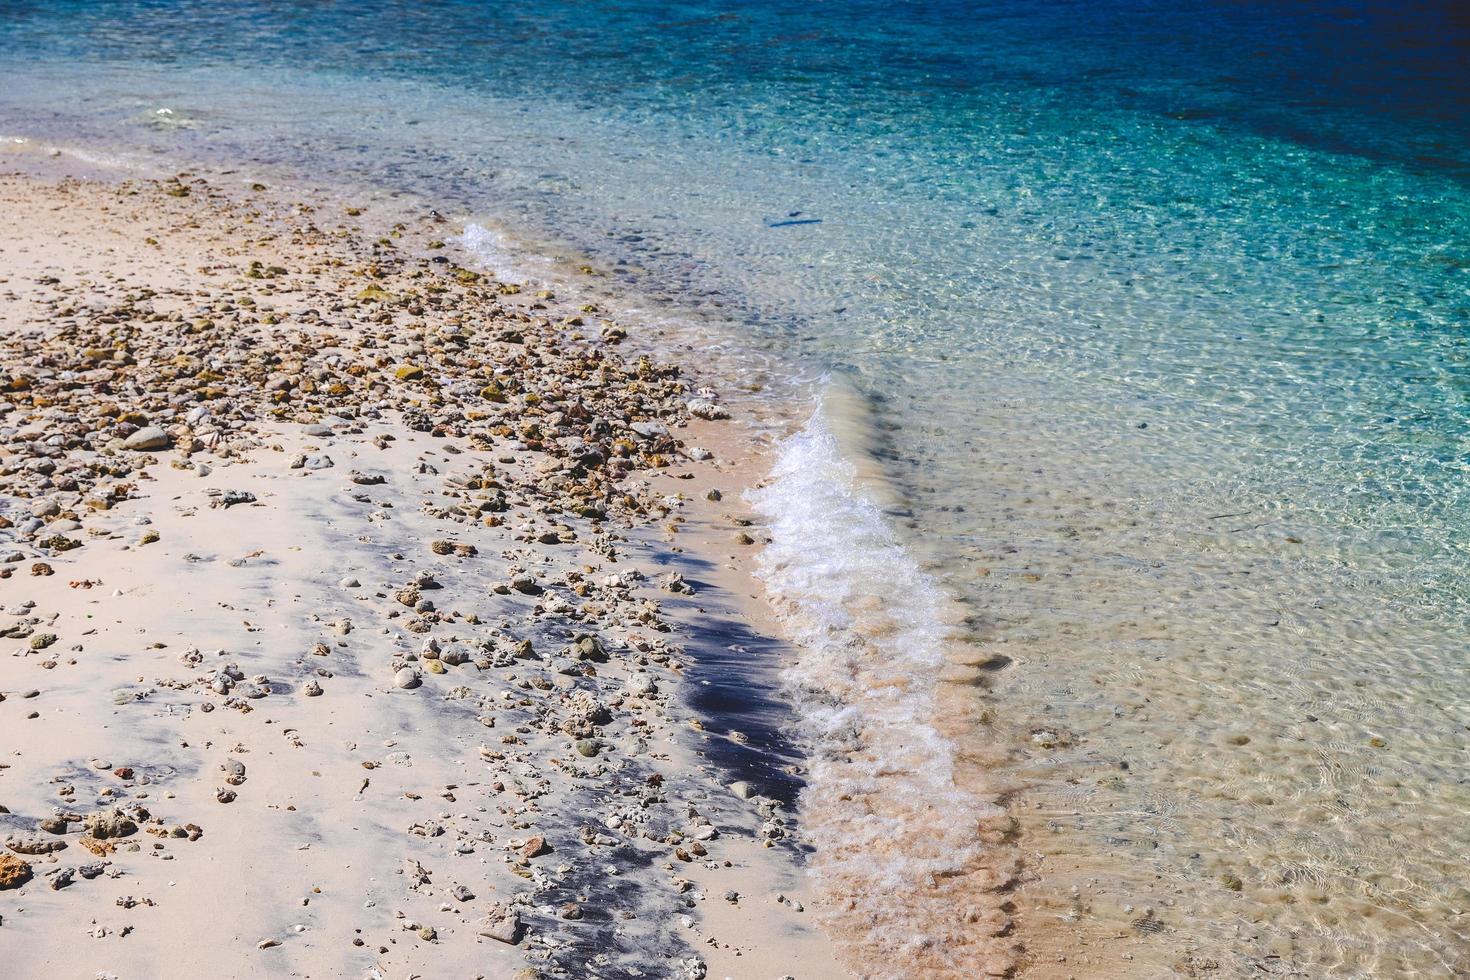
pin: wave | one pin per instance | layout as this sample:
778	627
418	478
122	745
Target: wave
499	256
911	855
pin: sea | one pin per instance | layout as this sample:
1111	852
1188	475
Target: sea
1128	351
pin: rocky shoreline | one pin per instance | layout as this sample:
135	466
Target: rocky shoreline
348	632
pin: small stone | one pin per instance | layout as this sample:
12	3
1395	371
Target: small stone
589	647
101	848
705	409
113	824
461	893
674	582
502	925
30	844
13	872
742	789
312	689
641	684
225	796
148	438
534	847
588	747
234	771
407	678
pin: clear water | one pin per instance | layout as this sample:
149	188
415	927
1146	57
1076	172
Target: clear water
1159	315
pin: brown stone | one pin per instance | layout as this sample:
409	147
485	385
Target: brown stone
13	872
98	847
534	847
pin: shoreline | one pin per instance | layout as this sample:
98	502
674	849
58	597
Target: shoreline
262	452
1089	576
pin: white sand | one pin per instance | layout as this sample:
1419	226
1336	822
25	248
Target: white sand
363	809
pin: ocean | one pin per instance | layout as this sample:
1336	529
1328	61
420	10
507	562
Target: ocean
1135	343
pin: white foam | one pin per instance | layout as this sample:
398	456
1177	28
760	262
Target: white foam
498	254
871	629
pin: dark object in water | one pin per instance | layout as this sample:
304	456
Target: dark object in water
799	221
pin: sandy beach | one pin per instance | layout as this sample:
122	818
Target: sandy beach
349	596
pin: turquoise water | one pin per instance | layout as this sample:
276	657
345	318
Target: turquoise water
1154	315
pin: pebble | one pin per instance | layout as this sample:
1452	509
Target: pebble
13	872
111	824
148	438
502	926
641	684
407	678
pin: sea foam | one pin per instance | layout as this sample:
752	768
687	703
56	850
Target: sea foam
895	835
496	253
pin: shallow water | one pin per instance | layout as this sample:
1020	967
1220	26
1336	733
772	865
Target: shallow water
1158	312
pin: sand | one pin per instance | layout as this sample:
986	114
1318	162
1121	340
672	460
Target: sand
351	601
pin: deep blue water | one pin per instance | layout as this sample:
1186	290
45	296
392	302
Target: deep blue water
1385	80
1398	63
